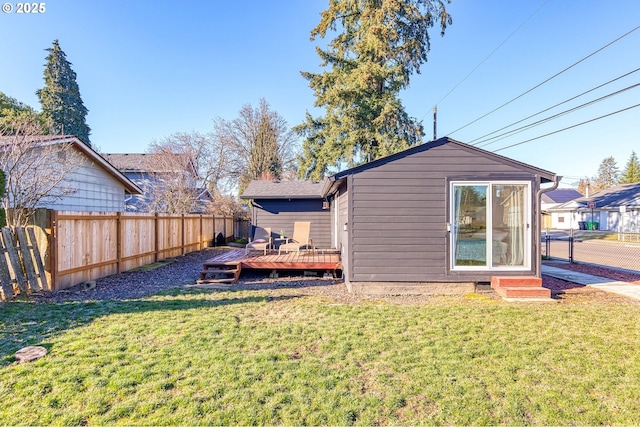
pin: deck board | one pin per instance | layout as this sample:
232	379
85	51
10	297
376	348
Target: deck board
305	260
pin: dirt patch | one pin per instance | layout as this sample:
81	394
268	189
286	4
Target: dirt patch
595	270
185	270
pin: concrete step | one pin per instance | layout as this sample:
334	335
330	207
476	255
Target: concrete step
523	292
515	281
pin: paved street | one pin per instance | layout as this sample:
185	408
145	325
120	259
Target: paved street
604	252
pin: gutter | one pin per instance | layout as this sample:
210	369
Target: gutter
538	223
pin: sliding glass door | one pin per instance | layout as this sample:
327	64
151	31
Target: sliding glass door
490	225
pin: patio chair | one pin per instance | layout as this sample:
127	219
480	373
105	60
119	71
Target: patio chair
261	240
301	231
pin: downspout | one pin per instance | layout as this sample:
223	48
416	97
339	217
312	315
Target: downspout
538	223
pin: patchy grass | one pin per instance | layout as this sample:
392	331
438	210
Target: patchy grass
255	358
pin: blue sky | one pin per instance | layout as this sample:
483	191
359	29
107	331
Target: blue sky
147	69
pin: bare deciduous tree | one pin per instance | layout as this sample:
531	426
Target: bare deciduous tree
211	159
260	143
36	167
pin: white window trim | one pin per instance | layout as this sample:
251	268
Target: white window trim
527	238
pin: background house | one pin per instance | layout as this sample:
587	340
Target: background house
156	173
94	184
615	209
278	204
553	199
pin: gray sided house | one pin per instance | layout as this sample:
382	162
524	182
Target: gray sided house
613	209
152	171
278	204
437	217
94	185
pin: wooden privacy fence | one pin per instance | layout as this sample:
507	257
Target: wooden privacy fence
21	265
85	246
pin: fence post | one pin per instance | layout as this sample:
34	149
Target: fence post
53	251
156	237
183	240
118	242
201	234
547	244
571	246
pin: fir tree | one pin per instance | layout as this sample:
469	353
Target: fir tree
378	46
60	98
631	172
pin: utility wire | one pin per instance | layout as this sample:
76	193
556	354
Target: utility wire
547	109
489	56
547	80
567	128
555	116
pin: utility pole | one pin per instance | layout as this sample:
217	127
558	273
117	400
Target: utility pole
435	113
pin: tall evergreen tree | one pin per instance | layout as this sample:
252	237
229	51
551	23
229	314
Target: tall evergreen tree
60	97
379	44
631	172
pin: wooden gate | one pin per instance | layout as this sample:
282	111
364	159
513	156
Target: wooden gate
21	267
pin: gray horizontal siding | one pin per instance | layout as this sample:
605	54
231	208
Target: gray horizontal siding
400	211
281	215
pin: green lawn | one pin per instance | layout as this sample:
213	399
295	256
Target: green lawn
255	358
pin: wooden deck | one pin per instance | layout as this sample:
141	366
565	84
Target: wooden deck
232	262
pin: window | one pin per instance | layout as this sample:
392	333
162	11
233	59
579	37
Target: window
490	225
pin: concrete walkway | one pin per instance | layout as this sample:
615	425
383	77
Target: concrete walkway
622	288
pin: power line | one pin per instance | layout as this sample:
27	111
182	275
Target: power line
491	54
555	116
547	80
550	108
568	127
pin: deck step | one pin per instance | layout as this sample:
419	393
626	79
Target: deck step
220	269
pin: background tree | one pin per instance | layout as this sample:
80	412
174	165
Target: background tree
35	173
259	141
172	184
631	172
60	98
212	161
584	186
10	108
607	174
378	46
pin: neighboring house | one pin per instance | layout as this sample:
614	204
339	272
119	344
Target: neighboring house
278	204
95	185
553	199
441	216
151	171
615	209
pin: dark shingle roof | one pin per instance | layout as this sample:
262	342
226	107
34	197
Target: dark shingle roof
561	195
147	162
614	197
283	190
